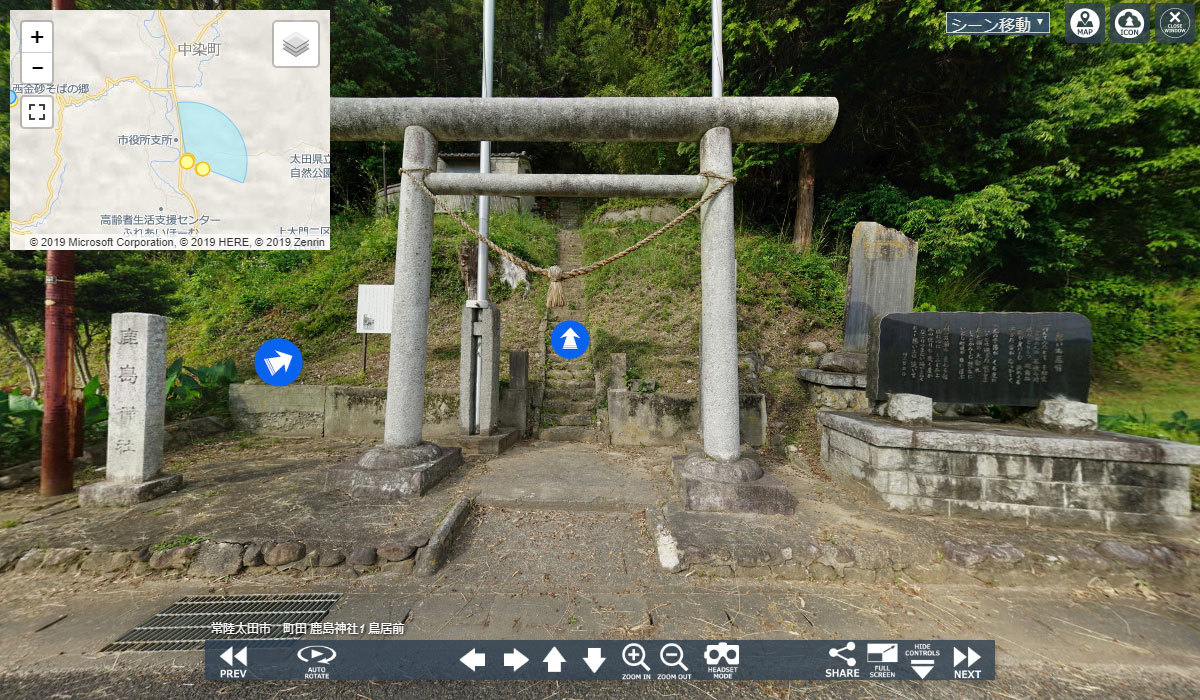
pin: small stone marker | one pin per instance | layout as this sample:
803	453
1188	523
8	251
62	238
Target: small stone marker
880	280
136	411
1008	359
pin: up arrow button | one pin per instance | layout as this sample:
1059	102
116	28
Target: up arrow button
554	660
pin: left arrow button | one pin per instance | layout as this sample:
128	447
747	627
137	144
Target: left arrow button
474	659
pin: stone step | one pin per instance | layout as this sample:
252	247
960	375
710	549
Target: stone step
567	406
568	433
570	418
569	375
588	385
555	393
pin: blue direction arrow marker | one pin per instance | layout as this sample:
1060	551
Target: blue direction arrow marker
569	339
278	362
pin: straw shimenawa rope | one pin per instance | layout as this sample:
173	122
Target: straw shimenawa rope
554	273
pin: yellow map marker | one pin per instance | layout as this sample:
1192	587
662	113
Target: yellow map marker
203	168
186	161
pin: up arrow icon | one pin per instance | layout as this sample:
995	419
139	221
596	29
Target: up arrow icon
554	660
569	337
593	659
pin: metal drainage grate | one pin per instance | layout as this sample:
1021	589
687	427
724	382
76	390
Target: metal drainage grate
188	623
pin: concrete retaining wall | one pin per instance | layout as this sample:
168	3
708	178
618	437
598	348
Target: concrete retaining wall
643	419
301	410
1102	481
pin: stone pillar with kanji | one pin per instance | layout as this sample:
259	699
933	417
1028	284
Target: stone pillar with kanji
136	412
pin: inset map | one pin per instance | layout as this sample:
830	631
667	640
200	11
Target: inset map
169	130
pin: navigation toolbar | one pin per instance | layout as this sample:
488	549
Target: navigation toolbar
392	659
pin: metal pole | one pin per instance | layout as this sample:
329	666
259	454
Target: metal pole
718	63
364	335
485	149
386	207
57	468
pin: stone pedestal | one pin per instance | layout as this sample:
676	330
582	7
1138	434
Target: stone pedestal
987	469
136	411
386	473
835	390
739	485
480	340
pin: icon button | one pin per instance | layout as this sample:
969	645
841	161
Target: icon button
922	667
1175	23
970	657
37	68
888	653
229	656
1130	23
296	44
37	112
37	36
634	654
569	340
850	660
554	661
278	362
722	653
515	659
316	655
594	659
474	659
1085	23
672	655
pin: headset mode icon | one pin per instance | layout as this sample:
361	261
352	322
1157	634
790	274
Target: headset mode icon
715	654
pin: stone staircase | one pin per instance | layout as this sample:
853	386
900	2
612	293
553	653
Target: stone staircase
568	411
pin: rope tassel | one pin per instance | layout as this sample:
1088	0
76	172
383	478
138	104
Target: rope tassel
555	297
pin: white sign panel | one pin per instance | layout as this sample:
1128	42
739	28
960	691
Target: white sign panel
374	308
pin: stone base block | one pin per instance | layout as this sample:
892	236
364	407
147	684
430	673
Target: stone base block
115	493
390	474
765	494
494	444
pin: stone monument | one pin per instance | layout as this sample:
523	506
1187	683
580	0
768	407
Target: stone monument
136	411
881	279
1007	359
1049	466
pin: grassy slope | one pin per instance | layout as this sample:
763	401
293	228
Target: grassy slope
646	304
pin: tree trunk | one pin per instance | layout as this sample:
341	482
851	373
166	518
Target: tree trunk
82	344
802	229
10	334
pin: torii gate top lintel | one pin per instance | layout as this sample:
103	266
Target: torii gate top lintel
656	119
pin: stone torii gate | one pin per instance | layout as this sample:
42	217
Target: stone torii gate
720	478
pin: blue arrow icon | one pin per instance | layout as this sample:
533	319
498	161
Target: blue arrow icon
569	339
278	362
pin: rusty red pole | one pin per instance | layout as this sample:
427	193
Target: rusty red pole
58	472
57	468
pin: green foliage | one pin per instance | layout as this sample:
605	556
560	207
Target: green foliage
20	428
177	541
772	276
635	382
527	236
1180	427
198	391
